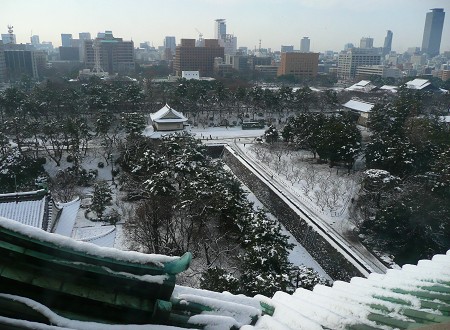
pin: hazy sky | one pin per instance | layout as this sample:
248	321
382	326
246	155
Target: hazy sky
329	23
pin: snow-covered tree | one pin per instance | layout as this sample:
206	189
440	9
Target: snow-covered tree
271	135
19	172
219	280
102	197
265	264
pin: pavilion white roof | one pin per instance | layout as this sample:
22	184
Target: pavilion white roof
363	86
167	115
359	106
27	208
418	84
67	216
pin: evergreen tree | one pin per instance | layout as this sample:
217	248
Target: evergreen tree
102	197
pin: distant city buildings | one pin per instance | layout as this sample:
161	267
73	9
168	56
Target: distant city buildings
432	32
220	29
227	41
188	57
387	47
348	46
35	40
366	43
114	54
300	65
8	38
66	40
305	45
350	59
3	77
366	71
170	43
286	49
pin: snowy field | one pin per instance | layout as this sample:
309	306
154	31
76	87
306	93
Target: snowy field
325	191
215	134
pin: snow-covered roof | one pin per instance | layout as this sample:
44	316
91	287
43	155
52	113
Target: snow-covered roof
445	119
66	217
27	208
167	115
363	86
359	106
418	84
89	249
100	235
409	297
389	88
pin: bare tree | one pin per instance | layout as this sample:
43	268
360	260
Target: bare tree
310	177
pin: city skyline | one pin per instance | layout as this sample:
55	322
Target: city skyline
330	24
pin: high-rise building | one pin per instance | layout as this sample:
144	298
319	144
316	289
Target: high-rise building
21	62
170	43
2	64
432	33
66	40
188	57
348	46
220	29
229	44
286	49
8	38
299	64
387	47
116	55
350	59
84	36
366	43
304	45
34	40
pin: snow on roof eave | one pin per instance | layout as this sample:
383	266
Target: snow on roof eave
88	248
24	193
66	219
418	84
359	106
163	111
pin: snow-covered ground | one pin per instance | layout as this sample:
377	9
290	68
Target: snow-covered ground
86	229
334	225
326	191
214	134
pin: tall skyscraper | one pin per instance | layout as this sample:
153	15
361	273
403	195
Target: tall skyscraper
9	38
351	58
432	33
304	45
286	49
170	43
116	55
188	57
84	35
2	64
387	47
34	40
220	29
66	40
366	43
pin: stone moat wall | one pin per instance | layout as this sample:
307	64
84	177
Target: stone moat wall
332	261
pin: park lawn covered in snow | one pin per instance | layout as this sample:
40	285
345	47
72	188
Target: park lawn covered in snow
323	190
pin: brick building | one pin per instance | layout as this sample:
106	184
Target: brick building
188	57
